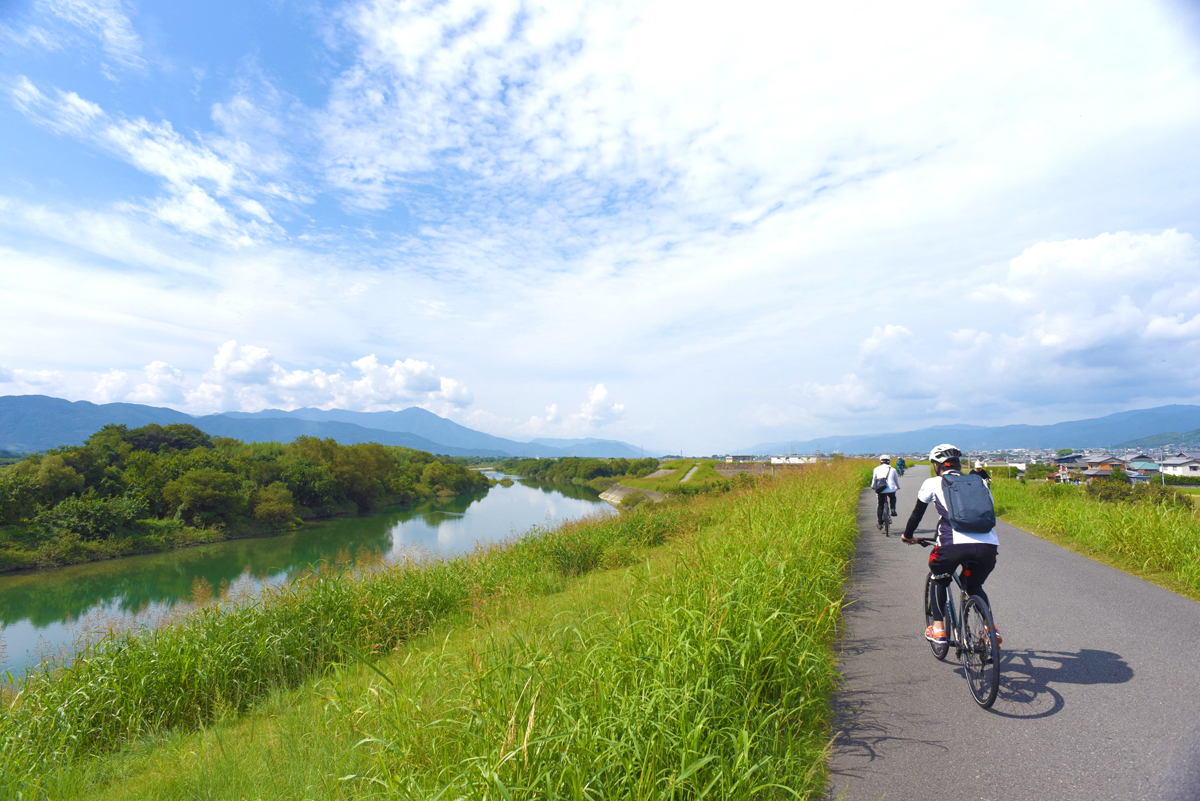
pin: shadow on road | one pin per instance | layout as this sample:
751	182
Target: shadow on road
1029	679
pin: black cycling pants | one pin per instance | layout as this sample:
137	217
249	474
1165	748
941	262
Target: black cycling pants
976	559
883	498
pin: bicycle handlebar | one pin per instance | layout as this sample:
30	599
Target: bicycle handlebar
925	542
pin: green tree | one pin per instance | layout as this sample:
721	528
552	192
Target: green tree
18	497
312	485
173	437
53	477
362	470
1065	451
144	477
205	496
90	516
274	506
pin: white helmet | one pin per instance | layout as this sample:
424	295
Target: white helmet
884	458
978	465
943	453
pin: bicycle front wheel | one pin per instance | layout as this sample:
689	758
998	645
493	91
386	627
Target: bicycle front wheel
939	651
980	652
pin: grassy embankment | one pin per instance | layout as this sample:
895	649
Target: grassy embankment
705	476
681	650
1159	542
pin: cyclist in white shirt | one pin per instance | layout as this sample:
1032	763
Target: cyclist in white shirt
975	552
885	477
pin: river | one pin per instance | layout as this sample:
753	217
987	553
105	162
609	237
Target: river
45	613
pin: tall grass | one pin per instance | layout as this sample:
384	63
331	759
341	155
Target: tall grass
1152	537
222	658
713	682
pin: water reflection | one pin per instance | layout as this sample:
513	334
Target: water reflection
43	613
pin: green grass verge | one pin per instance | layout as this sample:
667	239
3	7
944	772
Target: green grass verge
704	476
703	668
1153	541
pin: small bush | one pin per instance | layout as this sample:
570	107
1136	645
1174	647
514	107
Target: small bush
634	499
90	517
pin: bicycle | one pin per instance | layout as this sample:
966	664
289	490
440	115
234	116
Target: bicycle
887	514
971	632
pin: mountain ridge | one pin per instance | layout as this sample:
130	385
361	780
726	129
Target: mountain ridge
1096	432
41	422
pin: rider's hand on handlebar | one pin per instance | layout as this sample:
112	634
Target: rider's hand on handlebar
907	540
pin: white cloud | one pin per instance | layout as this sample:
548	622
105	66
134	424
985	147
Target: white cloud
164	385
111	387
247	378
552	197
35	381
206	186
599	408
1115	316
75	25
107	20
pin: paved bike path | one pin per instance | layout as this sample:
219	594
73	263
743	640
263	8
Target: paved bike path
1100	681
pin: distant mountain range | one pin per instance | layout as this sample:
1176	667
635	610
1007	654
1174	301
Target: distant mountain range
1175	438
1114	430
39	422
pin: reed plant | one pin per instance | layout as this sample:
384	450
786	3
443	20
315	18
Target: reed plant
222	657
1150	536
703	668
714	681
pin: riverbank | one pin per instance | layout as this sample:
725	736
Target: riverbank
157	487
587	651
21	547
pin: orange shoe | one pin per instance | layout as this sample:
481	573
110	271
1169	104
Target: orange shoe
935	637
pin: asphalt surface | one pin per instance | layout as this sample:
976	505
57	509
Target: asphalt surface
1100	680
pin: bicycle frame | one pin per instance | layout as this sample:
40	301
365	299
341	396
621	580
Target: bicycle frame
953	618
975	644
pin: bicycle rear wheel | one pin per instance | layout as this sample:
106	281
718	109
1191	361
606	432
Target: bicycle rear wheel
939	651
980	653
887	521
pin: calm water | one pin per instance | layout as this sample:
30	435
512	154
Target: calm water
45	613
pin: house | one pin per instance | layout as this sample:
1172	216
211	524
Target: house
1184	463
738	459
1073	460
1141	463
1102	465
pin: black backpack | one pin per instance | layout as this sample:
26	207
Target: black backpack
969	504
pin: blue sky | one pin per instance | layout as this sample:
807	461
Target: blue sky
693	228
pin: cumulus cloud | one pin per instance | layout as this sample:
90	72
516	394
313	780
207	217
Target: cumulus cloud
1115	316
248	378
32	381
599	408
727	203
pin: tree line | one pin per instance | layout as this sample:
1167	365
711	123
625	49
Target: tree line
121	476
570	468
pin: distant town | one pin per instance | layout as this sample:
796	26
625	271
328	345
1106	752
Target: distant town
1064	464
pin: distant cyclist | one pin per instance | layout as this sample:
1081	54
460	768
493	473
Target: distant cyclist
900	465
885	481
982	472
976	553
